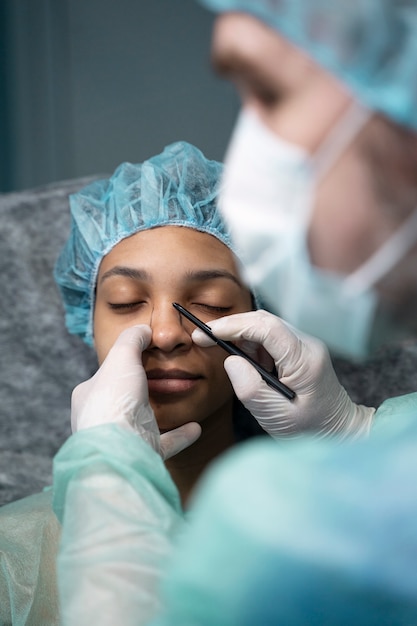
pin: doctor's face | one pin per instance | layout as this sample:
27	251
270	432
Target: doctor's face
356	205
137	283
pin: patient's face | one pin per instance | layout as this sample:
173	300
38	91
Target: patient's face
137	283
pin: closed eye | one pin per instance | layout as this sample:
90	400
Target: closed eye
216	309
124	306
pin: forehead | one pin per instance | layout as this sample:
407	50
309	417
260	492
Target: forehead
243	45
294	97
173	249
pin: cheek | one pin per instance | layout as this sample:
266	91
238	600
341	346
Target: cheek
345	228
333	239
399	287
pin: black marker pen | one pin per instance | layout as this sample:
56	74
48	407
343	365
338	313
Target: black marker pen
230	348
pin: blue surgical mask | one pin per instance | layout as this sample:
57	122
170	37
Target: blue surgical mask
267	197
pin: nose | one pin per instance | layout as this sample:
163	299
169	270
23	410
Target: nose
170	331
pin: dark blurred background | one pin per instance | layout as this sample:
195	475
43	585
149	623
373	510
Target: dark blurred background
87	84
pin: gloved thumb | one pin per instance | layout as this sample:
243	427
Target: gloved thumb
174	441
244	378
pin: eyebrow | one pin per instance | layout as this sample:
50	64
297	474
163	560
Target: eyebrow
126	272
195	276
206	275
231	65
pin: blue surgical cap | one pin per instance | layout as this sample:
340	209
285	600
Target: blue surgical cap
371	45
177	187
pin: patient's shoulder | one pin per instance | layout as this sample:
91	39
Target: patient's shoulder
29	539
30	510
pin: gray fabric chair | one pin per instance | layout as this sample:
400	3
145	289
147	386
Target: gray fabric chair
41	363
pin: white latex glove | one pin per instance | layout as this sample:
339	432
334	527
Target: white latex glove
303	363
118	393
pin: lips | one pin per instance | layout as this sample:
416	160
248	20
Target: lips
170	381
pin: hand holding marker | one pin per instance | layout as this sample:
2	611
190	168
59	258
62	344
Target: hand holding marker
231	348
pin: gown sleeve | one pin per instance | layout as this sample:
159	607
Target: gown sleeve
395	416
119	511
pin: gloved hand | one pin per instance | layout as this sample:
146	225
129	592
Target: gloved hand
303	363
118	393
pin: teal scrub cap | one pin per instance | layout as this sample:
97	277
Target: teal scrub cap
177	187
371	45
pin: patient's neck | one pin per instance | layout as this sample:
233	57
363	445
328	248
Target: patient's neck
187	466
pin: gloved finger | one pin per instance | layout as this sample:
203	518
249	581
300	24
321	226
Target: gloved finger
120	382
174	441
260	327
254	326
122	370
267	406
139	336
201	339
252	349
128	347
78	397
204	341
245	380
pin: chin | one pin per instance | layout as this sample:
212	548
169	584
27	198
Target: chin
165	425
170	416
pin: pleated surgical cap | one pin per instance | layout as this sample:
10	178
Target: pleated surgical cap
177	187
371	45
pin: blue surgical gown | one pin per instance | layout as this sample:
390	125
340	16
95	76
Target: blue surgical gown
309	531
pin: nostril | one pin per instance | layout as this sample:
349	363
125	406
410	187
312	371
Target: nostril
169	336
